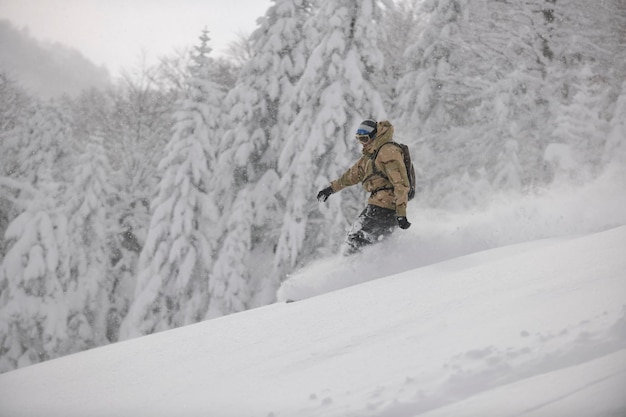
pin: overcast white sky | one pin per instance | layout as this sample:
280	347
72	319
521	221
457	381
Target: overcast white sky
115	33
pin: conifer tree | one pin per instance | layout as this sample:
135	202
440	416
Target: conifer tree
34	273
90	287
15	110
401	27
44	146
334	94
229	286
262	106
582	80
176	259
33	312
136	126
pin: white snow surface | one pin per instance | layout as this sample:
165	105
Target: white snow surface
529	329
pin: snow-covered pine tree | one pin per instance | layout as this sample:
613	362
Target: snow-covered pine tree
229	287
334	94
585	77
33	312
44	146
176	259
262	106
15	110
579	130
507	95
402	24
135	121
34	275
427	95
90	287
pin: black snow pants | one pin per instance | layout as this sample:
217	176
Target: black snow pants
373	225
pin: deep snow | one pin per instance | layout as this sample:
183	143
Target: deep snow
531	329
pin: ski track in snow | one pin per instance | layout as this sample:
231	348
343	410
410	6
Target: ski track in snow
461	375
466	374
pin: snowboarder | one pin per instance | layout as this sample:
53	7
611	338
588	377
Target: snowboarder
382	172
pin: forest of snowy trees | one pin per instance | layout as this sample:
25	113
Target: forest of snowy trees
187	191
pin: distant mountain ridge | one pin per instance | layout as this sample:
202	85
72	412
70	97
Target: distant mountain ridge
46	69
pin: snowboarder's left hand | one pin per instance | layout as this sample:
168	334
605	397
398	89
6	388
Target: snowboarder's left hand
323	195
403	222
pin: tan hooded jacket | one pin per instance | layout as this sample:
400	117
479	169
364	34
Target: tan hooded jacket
391	193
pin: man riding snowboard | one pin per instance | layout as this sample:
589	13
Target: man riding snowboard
382	173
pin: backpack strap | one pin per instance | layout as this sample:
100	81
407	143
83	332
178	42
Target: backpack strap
376	171
380	189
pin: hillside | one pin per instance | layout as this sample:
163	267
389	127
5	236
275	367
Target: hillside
533	329
44	69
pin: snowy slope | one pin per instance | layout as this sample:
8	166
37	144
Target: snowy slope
533	329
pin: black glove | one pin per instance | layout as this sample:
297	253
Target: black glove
323	195
403	222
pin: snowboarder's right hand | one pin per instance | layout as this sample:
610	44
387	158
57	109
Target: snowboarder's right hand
323	195
403	222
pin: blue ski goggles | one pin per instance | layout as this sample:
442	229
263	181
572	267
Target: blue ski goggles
364	135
